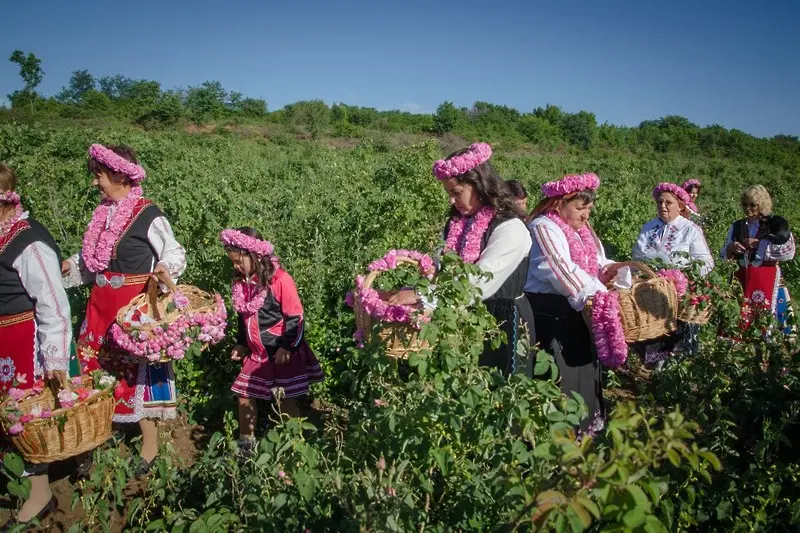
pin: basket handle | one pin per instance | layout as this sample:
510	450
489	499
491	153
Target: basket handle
372	276
152	291
641	267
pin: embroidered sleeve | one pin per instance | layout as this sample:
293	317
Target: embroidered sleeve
640	247
169	251
698	249
552	263
776	252
39	271
78	273
285	292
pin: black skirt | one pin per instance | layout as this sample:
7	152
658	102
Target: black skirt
515	318
562	332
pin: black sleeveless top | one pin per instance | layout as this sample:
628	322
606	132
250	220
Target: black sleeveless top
14	298
773	228
133	253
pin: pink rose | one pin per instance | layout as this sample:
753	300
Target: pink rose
16	394
26	418
16	429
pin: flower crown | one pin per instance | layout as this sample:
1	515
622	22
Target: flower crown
237	239
9	197
671	188
457	165
688	184
571	184
116	162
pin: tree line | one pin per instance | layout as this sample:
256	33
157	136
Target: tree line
147	104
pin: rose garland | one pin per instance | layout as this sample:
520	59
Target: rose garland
476	154
469	246
172	342
609	338
676	191
571	184
583	250
99	240
678	279
389	262
85	388
11	197
250	303
116	162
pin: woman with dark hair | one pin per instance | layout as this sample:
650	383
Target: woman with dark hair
35	322
518	191
127	240
566	262
271	336
759	242
485	228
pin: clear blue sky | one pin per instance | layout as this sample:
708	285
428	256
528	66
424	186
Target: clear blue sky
732	63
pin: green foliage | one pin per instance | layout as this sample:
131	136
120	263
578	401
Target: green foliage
206	102
30	70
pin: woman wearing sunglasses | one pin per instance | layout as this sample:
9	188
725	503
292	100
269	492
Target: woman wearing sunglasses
759	242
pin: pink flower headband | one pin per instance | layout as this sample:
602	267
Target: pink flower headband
571	184
237	239
9	197
116	162
475	155
679	193
688	184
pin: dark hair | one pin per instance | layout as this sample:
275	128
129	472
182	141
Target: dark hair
548	204
95	166
8	178
692	187
491	188
264	269
517	189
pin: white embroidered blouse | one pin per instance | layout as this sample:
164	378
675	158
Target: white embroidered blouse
660	240
551	269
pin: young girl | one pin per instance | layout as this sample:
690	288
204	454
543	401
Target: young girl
270	339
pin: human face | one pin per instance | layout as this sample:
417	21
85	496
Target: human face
668	207
463	196
694	192
751	209
241	262
575	212
523	204
108	189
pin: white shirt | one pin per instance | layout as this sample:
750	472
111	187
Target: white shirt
168	251
551	269
766	251
659	240
507	246
39	271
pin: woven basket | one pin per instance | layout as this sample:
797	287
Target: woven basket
157	304
88	425
692	314
401	340
649	309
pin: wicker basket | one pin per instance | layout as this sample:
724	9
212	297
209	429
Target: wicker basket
649	309
87	426
692	314
158	305
401	340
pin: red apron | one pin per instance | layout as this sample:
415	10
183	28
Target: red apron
18	339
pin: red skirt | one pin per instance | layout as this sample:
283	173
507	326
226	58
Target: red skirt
18	356
760	289
260	375
143	390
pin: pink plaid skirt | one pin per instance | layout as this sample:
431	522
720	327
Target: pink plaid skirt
257	379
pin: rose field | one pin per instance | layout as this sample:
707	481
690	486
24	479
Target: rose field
434	443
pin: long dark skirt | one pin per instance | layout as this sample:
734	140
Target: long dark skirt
515	318
562	332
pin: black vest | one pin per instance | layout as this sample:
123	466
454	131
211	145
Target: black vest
773	228
133	253
14	298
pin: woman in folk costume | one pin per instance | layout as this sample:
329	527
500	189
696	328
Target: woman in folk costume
35	323
566	261
485	228
127	240
759	242
668	237
692	188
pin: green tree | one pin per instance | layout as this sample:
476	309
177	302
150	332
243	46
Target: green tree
30	70
206	102
579	128
446	117
80	83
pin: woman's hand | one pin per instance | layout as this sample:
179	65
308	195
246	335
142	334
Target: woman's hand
751	244
66	267
282	356
238	352
735	248
401	297
160	268
57	379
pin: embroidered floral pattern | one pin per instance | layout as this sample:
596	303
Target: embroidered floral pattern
7	369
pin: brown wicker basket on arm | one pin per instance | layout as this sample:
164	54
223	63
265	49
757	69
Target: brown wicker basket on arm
401	339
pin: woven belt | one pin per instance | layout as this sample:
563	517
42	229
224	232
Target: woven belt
119	280
10	320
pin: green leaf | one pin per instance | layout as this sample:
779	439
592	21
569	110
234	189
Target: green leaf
585	519
635	517
279	500
712	459
590	506
654	525
20	488
14	463
724	509
639	497
305	484
673	457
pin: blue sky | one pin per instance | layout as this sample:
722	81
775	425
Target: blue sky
723	62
